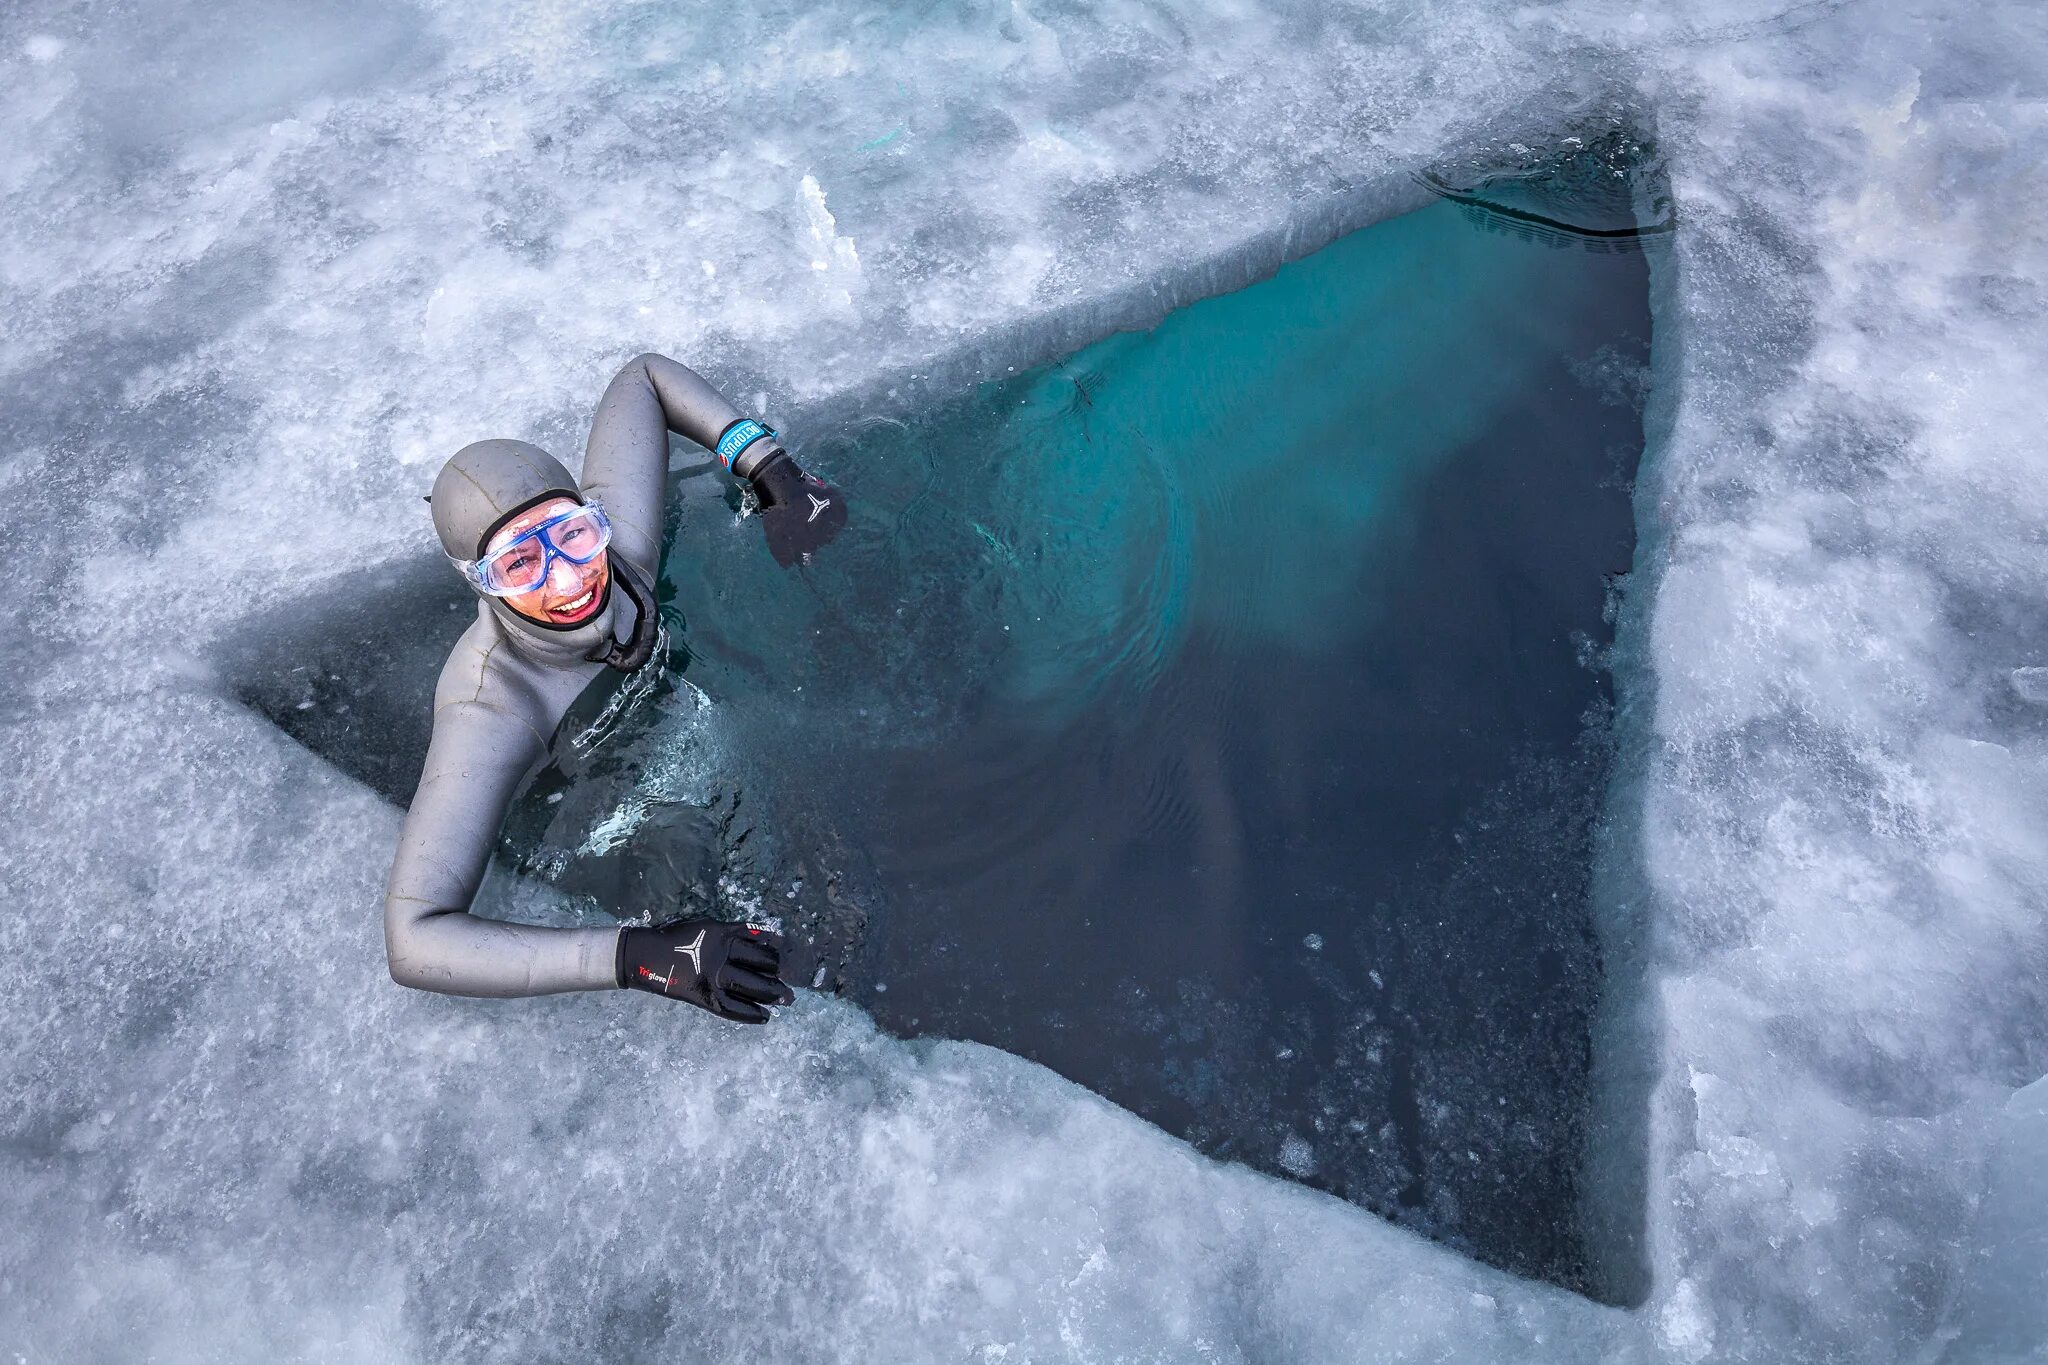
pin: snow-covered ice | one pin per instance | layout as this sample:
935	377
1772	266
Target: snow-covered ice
262	268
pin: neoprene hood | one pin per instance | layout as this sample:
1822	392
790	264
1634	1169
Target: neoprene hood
482	485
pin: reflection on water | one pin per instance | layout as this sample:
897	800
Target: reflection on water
1213	715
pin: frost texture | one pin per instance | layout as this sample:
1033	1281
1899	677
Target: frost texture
260	269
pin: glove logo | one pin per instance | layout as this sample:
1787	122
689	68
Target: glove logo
818	505
691	950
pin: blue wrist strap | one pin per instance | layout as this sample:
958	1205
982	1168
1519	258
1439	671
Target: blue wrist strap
738	437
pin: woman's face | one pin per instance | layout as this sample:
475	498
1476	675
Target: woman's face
571	593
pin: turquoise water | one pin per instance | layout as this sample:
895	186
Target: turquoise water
1237	469
1211	715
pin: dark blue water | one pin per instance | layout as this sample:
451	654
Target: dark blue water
1213	716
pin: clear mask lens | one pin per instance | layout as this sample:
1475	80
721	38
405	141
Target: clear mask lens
578	536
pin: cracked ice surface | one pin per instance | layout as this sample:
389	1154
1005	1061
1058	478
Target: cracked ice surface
261	269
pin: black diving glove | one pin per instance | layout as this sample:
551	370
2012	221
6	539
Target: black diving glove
729	969
799	511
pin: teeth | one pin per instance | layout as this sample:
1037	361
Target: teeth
567	607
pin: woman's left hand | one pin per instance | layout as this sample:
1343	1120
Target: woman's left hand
799	511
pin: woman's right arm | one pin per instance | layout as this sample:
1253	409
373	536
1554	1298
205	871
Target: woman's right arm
479	754
474	766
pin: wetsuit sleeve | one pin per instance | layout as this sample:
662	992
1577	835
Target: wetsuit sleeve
479	755
625	465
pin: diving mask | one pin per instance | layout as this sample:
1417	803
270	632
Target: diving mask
578	535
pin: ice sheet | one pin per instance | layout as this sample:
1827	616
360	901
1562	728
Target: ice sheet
259	273
1843	800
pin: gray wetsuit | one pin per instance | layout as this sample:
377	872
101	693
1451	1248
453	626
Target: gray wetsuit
509	681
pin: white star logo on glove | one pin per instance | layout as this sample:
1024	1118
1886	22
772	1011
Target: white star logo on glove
690	950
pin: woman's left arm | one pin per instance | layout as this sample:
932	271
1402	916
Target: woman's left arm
625	464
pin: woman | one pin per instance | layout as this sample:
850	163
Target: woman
551	559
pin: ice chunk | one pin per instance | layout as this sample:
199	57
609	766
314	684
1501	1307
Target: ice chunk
2031	684
2003	1311
1297	1157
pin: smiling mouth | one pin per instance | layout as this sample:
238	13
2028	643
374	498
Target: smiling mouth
575	609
